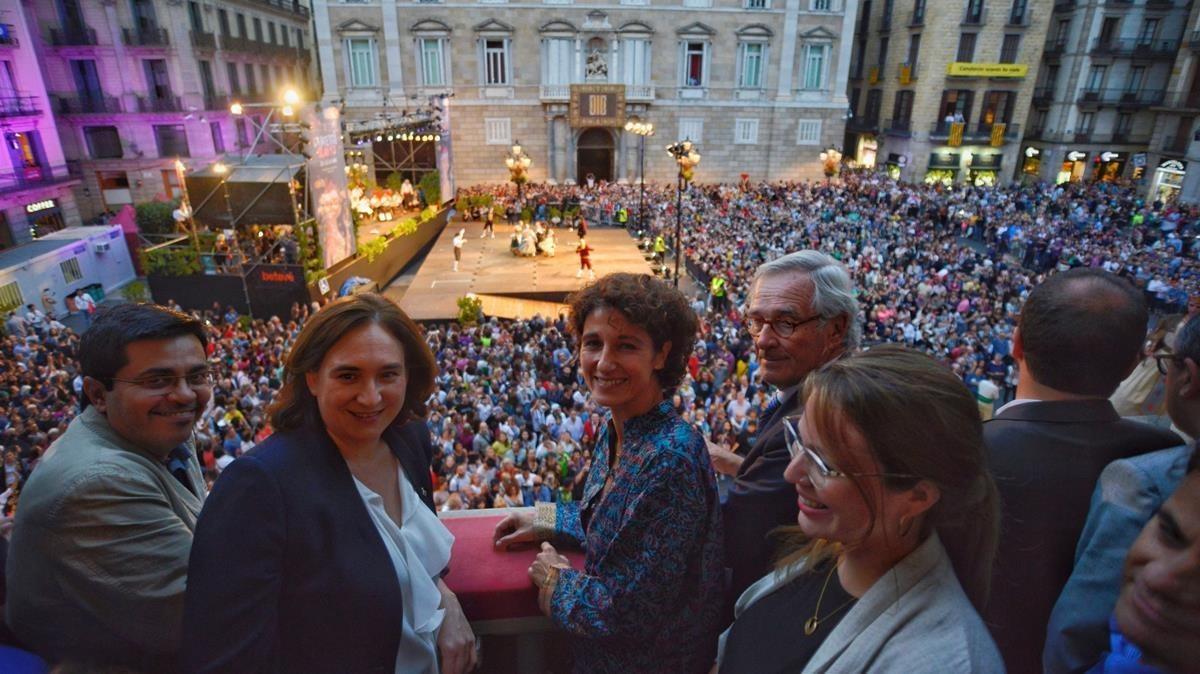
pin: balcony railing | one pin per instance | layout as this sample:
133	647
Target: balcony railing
293	6
1055	48
145	37
1136	47
1043	95
1064	5
975	132
7	39
242	44
34	176
17	106
639	92
202	40
159	104
898	127
1160	4
1182	99
863	124
217	102
1122	97
907	73
1019	19
87	105
71	37
917	19
1082	137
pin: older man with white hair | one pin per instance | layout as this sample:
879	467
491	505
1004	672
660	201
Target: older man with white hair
802	314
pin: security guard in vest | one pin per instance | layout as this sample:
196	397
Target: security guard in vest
717	290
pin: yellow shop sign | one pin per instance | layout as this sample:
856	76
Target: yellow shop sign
958	69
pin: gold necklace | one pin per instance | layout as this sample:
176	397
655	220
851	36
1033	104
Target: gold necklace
814	622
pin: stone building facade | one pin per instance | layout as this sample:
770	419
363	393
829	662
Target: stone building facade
137	85
758	85
1112	68
940	89
35	179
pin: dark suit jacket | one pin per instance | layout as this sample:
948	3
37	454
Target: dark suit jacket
759	500
287	571
1046	458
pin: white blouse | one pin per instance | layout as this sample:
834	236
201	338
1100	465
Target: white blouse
420	549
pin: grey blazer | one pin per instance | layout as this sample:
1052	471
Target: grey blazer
915	619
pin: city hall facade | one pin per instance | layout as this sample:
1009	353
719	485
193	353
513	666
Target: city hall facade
758	85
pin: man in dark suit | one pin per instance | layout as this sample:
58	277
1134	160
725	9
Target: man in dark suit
1078	336
802	314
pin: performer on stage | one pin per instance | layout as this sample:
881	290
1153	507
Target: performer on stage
585	259
489	222
459	240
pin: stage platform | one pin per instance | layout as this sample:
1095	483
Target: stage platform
510	286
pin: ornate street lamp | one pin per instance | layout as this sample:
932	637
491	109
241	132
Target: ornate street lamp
831	159
518	164
641	129
687	157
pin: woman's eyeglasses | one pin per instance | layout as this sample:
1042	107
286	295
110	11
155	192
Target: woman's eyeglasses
818	471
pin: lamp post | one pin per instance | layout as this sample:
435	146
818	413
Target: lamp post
222	170
642	129
518	166
687	157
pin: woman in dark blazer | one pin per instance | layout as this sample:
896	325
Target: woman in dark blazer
318	551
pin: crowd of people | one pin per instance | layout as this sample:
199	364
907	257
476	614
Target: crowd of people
514	420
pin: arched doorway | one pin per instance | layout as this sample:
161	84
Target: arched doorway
594	155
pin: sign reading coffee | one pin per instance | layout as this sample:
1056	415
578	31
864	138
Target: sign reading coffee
597	105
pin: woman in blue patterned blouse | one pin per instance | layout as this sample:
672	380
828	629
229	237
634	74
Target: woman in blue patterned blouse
648	597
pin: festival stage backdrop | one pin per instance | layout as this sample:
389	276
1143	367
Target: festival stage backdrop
330	196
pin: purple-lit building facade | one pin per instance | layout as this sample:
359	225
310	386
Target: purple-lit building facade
36	182
136	84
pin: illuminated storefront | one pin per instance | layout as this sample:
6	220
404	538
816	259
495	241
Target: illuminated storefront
1109	166
1031	164
1073	167
943	167
1168	180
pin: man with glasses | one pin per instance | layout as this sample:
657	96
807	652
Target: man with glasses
99	555
802	314
1080	333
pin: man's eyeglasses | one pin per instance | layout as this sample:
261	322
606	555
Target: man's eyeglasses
1162	361
784	327
168	382
820	474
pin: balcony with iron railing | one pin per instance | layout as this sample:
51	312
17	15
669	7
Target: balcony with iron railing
159	104
292	6
863	124
217	102
78	36
975	132
146	36
917	18
37	176
1135	47
1055	48
1020	19
242	44
7	39
70	104
1064	5
1043	95
1121	97
202	40
1160	4
1182	100
18	106
898	127
1082	136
